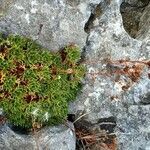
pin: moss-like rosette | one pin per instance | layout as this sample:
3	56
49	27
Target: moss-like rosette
36	84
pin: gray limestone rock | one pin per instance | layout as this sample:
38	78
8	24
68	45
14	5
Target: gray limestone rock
134	128
49	138
108	54
117	82
117	79
53	24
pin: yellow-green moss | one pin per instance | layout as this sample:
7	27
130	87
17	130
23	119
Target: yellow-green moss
36	84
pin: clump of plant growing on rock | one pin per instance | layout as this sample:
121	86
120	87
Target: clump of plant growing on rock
36	84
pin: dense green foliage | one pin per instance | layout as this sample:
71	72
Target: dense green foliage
36	84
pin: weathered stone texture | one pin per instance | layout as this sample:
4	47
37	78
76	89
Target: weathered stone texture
117	81
52	138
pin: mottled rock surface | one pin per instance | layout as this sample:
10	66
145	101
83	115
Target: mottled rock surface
117	83
134	128
52	138
52	23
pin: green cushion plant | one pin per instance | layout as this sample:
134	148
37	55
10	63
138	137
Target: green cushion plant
36	84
